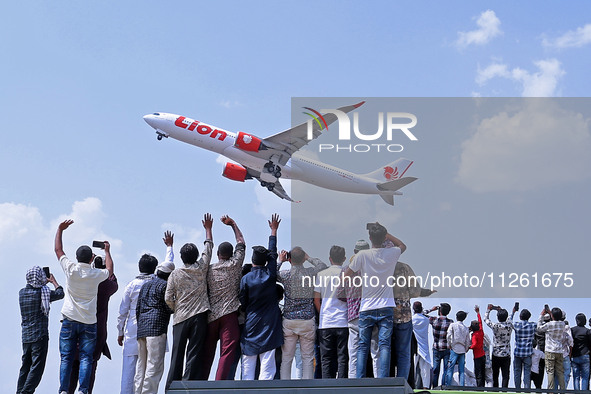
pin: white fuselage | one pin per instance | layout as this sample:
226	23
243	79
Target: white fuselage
299	167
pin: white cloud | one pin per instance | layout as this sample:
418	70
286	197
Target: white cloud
542	83
18	221
488	28
184	234
230	103
570	39
268	203
539	145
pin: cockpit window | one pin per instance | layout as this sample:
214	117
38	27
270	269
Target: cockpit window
156	113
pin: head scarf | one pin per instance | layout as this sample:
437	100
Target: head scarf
37	279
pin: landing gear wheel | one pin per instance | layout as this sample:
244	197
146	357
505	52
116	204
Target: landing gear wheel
277	174
263	184
270	187
159	137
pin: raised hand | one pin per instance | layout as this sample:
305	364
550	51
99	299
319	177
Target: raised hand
168	238
228	221
207	221
65	224
274	222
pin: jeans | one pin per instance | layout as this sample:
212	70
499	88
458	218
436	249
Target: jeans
581	372
75	334
519	364
34	357
439	355
567	367
401	338
456	358
384	319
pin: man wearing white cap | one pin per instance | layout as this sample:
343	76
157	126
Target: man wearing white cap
153	316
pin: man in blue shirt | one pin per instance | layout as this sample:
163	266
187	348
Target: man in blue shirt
258	295
34	302
524	338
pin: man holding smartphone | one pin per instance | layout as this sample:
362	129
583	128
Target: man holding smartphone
34	300
79	324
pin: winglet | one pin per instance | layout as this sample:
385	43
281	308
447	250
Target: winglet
388	198
359	104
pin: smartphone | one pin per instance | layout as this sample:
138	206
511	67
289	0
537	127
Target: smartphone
516	307
98	244
47	273
368	226
547	307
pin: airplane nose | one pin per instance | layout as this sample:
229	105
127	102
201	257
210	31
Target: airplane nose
151	120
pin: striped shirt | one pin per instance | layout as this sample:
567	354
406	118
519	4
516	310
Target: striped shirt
555	334
440	325
524	337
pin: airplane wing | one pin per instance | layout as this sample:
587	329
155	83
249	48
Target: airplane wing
282	145
277	189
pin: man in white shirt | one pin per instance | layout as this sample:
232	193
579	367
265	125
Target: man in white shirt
127	319
458	338
555	339
376	265
79	309
333	330
420	327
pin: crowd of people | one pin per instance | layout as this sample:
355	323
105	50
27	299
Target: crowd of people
263	317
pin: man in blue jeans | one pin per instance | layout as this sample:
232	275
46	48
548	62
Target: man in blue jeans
440	325
580	353
458	338
79	309
403	328
524	338
377	298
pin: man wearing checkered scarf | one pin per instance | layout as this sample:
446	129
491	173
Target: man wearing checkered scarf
34	300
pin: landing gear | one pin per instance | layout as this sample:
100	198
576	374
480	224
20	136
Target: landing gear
269	185
271	168
159	137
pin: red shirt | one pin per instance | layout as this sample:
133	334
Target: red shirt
478	341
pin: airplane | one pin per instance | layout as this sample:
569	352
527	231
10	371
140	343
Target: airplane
269	159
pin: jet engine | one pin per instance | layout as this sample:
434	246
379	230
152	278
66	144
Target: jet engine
235	172
248	142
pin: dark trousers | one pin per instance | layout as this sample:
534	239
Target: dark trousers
502	364
317	359
334	352
31	372
480	371
538	378
188	337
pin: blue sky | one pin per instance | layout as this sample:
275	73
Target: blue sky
76	79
